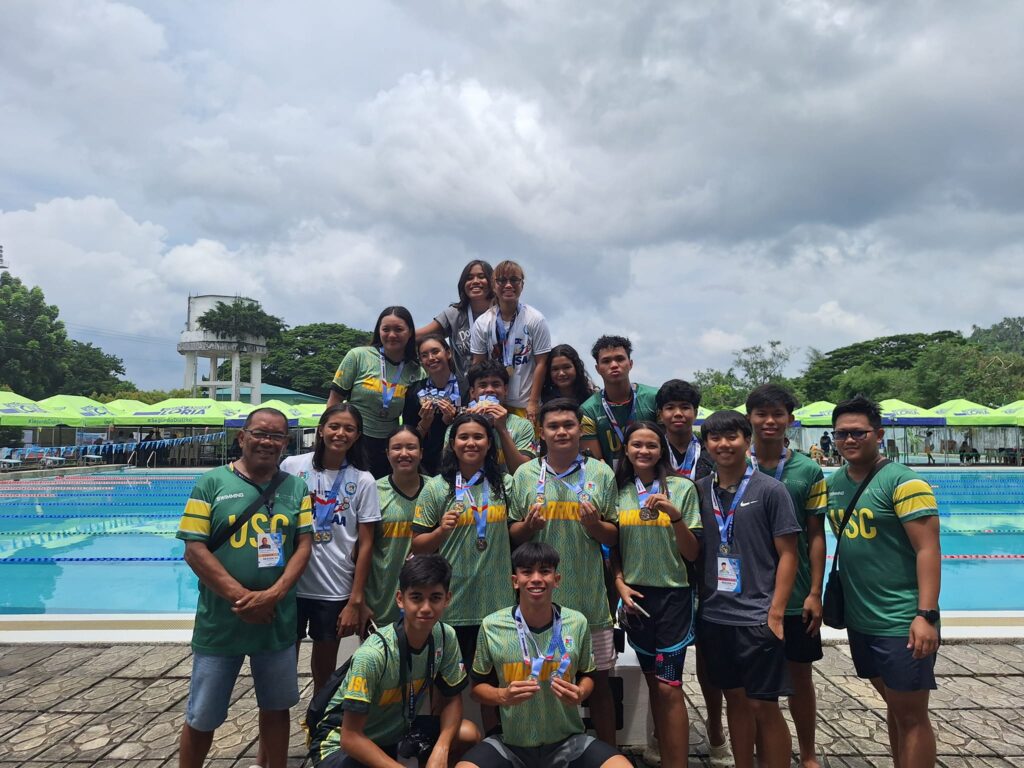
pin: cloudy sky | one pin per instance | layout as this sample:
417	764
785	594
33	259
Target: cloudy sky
700	176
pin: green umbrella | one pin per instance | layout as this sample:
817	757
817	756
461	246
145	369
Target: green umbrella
1013	413
178	411
964	413
89	412
125	406
18	411
309	413
290	411
903	414
816	414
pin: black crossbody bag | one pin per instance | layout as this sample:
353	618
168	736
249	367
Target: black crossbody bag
265	498
833	607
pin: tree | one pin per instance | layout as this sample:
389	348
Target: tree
897	352
148	396
242	317
720	389
948	371
763	364
32	340
1005	336
873	382
89	370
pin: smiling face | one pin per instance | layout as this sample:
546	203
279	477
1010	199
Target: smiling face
394	335
643	449
508	284
563	372
340	432
434	357
470	444
476	285
536	583
561	431
424	605
263	441
770	422
404	452
728	449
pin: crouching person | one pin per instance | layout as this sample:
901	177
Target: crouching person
534	661
371	717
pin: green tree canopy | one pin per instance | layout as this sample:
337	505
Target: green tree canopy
762	364
306	356
1005	336
32	340
148	396
242	317
89	370
950	370
720	389
873	382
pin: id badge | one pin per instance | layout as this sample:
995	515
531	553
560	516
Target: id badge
269	550
729	574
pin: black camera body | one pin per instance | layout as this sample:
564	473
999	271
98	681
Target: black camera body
416	743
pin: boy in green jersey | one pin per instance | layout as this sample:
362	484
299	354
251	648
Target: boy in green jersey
615	406
534	660
488	387
371	719
568	502
890	569
770	412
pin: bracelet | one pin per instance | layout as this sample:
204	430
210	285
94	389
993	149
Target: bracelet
677	520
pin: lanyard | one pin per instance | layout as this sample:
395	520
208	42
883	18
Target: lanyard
689	460
268	503
450	391
576	488
611	416
387	388
332	494
505	337
641	490
725	522
479	511
407	685
779	467
531	651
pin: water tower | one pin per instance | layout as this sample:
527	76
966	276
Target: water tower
196	343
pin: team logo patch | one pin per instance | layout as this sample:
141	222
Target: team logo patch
350	488
567	639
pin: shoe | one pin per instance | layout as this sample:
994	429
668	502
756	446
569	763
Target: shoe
720	754
652	753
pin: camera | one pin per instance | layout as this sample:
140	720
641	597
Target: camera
416	743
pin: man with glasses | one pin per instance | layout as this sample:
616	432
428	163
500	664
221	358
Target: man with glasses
517	335
889	566
246	588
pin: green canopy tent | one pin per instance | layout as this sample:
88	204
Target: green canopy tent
89	412
899	414
979	425
186	414
702	413
310	413
1012	415
816	414
124	405
18	411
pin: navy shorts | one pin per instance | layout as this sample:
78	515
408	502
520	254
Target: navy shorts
467	642
751	658
578	751
890	659
661	641
800	647
320	617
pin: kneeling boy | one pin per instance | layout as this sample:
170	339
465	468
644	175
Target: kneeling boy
534	661
371	719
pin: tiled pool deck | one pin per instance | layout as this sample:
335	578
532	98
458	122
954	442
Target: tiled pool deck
122	705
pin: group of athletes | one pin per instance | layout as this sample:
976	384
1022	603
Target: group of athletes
470	471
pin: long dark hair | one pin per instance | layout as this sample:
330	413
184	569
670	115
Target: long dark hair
582	388
463	302
409	355
355	455
626	474
492	470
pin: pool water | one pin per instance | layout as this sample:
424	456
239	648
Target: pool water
105	543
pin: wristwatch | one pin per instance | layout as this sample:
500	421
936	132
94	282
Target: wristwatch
931	616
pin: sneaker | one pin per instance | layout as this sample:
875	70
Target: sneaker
721	755
652	753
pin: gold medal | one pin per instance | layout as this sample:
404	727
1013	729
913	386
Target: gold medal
481	544
459	507
646	513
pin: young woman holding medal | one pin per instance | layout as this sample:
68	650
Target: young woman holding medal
455	322
750	562
330	592
375	379
462	514
432	403
399	493
658	514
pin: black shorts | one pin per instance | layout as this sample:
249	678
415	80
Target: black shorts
800	647
751	658
661	641
320	617
890	659
376	450
467	642
577	751
428	725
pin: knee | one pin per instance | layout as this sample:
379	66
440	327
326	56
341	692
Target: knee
469	734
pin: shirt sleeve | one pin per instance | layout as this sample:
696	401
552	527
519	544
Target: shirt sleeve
428	514
913	498
541	335
817	496
588	427
446	319
411	409
519	498
345	377
478	336
522	435
305	524
366	501
195	520
608	496
483	664
362	683
586	658
688	504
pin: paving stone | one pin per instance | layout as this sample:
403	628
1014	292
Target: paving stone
156	739
114	659
984	692
67	659
14	658
93	741
163	695
156	662
1012	656
10	721
239	732
49	693
104	696
947	761
946	665
41	732
860	732
986	726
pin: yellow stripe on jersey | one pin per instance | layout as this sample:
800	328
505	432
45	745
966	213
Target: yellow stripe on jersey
402	530
913	496
562	510
195	525
306	512
197	508
374	385
394	695
520	670
628	517
817	497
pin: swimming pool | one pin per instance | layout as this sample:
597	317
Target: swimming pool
104	543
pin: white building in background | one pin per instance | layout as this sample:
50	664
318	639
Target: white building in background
196	343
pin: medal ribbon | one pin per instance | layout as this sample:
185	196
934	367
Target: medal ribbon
641	490
479	512
611	416
387	388
689	460
504	336
778	469
531	651
450	391
325	506
725	522
576	488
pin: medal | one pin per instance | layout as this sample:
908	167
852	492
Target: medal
724	548
646	513
510	369
585	498
459	507
481	544
539	499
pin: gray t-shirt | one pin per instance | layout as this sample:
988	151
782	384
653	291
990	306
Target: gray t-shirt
457	325
766	511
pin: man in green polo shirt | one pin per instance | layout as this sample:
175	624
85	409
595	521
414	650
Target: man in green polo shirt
246	589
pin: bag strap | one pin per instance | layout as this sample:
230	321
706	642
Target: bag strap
409	698
850	507
265	498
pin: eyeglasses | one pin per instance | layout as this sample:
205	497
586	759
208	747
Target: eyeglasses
274	437
856	434
508	280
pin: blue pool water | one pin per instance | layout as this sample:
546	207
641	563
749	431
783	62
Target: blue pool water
105	543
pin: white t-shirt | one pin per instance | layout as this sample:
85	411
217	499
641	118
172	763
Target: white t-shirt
528	336
331	566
